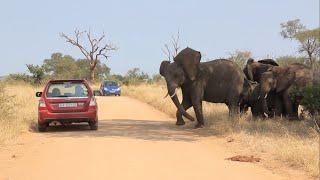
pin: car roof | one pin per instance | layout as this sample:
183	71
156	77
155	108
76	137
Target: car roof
67	80
109	81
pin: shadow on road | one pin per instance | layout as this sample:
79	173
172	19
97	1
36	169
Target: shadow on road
138	129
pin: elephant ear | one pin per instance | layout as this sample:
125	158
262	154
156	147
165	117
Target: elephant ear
189	59
269	61
248	69
163	67
284	79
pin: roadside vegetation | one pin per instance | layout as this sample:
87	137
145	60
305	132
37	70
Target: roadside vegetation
295	143
18	109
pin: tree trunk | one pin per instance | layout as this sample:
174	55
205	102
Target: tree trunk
311	60
93	65
92	74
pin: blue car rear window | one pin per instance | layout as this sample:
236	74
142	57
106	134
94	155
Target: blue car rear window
110	83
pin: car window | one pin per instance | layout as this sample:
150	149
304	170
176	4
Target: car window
110	83
67	89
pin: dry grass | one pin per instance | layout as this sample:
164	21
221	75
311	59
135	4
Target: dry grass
18	109
295	144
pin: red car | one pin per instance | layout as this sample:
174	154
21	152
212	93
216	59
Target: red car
66	102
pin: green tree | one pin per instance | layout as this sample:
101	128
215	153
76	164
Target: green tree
118	78
135	75
102	71
61	66
240	57
37	72
308	39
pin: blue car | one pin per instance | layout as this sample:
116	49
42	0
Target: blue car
110	88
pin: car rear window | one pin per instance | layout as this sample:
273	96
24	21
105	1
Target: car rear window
110	83
67	89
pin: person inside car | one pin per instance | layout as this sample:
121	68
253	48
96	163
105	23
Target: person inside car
56	92
79	92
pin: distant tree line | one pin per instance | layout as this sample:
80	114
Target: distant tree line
61	66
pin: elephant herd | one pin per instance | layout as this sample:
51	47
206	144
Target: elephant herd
264	86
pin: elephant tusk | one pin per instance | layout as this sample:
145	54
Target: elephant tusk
266	96
173	94
258	97
265	114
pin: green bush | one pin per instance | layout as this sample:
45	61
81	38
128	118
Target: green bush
19	77
311	99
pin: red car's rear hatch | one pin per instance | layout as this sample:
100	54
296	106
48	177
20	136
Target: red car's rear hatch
67	105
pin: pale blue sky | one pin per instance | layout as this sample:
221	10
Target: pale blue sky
30	29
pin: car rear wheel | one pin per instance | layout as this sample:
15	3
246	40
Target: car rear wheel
42	127
93	125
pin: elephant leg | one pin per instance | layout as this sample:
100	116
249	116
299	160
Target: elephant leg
199	114
233	105
186	105
288	105
196	99
243	108
278	106
233	109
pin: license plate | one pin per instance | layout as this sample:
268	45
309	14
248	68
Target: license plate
67	105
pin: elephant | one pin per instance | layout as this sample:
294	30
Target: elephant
283	80
251	98
216	81
253	70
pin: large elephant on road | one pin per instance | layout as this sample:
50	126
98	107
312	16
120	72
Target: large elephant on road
283	80
217	81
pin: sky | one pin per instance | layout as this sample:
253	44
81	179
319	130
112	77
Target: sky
29	31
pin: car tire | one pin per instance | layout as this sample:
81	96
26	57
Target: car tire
93	125
42	127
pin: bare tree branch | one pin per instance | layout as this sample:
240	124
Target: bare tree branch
95	50
172	52
175	44
167	52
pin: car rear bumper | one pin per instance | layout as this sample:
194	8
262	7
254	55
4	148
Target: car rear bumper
46	117
105	93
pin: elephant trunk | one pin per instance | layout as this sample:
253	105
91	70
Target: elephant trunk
175	100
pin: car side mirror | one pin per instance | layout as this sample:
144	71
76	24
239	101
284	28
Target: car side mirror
38	94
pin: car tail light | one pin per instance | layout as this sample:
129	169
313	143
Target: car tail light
93	102
42	103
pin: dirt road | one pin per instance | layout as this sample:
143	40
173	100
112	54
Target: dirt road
134	141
